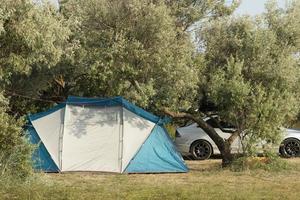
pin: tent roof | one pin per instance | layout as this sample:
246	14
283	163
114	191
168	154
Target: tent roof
113	101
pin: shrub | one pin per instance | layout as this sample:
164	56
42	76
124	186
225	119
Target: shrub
15	151
171	129
268	162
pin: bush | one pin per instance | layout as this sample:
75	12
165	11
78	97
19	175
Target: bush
15	150
268	162
171	129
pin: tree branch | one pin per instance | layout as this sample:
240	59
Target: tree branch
210	131
233	136
223	145
234	133
137	87
219	125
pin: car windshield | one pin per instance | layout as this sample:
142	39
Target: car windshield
212	123
227	125
223	124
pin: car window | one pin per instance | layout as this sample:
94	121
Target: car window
226	125
212	123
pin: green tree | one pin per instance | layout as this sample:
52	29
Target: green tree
256	72
15	152
252	75
138	49
129	48
33	39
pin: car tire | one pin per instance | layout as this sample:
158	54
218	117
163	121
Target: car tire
201	150
290	148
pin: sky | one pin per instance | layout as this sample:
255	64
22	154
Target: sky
248	7
254	7
53	2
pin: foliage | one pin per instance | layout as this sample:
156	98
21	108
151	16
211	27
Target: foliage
132	49
270	162
171	129
15	152
33	39
252	71
189	12
138	49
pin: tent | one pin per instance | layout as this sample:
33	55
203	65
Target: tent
108	135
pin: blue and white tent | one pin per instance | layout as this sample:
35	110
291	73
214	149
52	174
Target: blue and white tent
109	135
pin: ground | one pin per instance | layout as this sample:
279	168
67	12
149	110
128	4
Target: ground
204	181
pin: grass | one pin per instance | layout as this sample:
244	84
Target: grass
204	181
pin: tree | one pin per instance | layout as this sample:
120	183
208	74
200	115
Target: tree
128	48
252	75
33	39
138	49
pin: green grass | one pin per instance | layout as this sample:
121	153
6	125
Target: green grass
204	181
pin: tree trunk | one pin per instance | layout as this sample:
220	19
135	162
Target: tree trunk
227	157
223	145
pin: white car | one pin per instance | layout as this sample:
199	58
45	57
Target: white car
191	140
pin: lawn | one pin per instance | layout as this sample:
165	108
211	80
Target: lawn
204	181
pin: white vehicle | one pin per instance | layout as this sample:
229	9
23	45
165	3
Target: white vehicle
192	140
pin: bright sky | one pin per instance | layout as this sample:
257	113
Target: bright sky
53	2
254	7
249	7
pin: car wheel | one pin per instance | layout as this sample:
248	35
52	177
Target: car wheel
290	148
201	150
